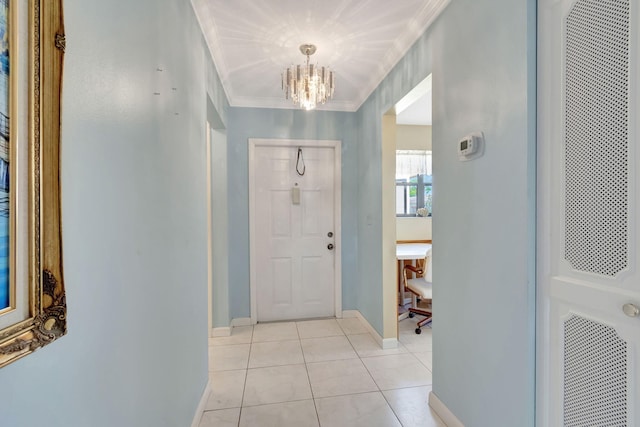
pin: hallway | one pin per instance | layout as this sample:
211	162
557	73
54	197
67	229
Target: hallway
141	82
319	373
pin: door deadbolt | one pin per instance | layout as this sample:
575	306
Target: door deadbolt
330	234
330	246
631	310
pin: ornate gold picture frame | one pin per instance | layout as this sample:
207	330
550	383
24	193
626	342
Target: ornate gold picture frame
33	309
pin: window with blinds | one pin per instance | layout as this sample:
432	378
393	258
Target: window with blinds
413	183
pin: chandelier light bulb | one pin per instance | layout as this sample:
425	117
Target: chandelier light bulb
308	85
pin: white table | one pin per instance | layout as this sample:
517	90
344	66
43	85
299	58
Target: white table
404	252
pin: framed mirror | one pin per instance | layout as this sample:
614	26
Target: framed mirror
33	309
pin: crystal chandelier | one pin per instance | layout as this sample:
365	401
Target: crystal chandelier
308	85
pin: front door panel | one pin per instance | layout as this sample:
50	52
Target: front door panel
295	267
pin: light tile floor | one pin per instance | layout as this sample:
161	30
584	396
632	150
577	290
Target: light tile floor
327	373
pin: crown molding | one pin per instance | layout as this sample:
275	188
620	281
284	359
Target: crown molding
285	104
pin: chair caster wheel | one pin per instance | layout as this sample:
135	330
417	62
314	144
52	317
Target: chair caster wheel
418	331
412	315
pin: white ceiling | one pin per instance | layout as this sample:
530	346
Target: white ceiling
418	113
252	41
415	107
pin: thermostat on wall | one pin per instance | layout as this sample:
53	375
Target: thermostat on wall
471	146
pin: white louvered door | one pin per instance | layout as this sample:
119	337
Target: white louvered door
588	353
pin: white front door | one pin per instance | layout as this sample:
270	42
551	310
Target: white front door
293	232
588	186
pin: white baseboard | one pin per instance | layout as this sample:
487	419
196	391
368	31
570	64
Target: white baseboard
384	343
225	331
203	403
443	412
221	332
349	314
241	321
388	343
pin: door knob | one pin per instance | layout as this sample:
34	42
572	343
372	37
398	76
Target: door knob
631	310
330	246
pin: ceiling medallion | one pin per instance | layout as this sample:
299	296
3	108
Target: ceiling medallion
308	85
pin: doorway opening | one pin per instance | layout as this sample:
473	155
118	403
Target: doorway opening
217	224
407	217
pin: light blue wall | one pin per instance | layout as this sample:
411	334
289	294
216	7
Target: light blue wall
245	123
482	55
484	79
218	105
134	219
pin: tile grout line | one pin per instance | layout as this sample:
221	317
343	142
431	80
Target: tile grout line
391	407
246	375
306	368
372	378
370	374
361	361
378	386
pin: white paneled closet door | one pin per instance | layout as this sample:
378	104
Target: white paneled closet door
588	188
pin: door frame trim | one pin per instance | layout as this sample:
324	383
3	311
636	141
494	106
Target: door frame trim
337	212
208	150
